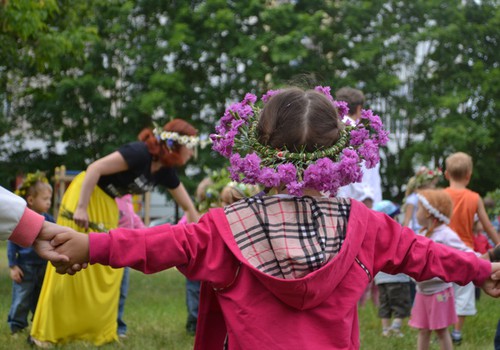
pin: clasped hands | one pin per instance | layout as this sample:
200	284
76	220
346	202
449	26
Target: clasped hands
68	251
65	248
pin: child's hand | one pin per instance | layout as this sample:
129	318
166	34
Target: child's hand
492	285
75	246
42	243
16	274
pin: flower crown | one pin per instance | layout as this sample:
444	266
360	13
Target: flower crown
433	211
29	181
243	189
423	177
219	180
325	169
171	138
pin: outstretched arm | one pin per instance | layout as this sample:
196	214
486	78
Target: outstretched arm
485	221
25	227
182	198
110	164
18	223
195	249
408	213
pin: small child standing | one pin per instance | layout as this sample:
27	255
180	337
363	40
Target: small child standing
394	290
26	267
434	307
466	204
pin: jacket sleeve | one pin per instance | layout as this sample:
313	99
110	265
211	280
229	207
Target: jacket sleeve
401	250
18	223
197	250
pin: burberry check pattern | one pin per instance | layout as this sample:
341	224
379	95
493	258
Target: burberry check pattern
289	237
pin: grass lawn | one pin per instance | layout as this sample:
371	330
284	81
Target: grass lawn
155	313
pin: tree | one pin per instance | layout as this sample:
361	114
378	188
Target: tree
152	60
39	39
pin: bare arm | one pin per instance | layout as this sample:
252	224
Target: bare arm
408	213
107	165
485	221
182	198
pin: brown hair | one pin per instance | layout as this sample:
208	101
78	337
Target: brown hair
159	150
353	97
459	165
440	200
299	120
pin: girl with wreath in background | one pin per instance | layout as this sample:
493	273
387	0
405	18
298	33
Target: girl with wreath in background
285	270
424	178
214	191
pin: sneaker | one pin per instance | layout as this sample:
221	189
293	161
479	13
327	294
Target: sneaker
456	337
386	333
39	343
122	335
191	328
397	332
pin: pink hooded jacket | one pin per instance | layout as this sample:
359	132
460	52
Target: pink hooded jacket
250	309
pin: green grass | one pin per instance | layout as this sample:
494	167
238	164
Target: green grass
155	313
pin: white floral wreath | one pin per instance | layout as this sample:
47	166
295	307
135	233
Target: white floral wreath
436	213
171	138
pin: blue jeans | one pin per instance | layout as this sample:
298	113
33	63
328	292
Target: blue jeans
122	326
25	296
192	301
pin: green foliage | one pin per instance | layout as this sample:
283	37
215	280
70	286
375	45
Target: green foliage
92	74
492	198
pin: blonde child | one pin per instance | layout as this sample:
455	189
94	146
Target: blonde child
285	270
467	204
434	306
26	267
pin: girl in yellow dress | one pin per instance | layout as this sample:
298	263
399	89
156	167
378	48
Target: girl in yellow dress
85	306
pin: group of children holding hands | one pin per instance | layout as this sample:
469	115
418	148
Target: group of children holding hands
285	268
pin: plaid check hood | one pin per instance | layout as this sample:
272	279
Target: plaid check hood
291	244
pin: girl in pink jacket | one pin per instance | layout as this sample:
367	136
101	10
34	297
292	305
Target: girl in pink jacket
285	270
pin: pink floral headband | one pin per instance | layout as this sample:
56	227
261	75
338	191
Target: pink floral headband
326	169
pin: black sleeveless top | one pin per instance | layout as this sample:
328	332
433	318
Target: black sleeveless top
138	178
